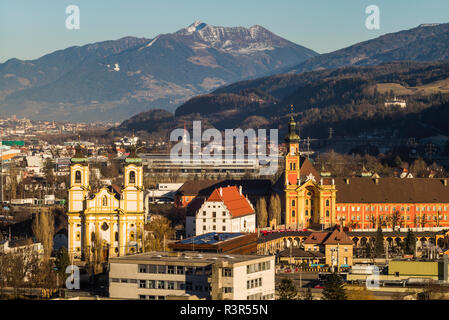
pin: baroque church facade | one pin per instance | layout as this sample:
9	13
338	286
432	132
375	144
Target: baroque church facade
112	218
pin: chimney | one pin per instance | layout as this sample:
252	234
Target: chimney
240	190
221	191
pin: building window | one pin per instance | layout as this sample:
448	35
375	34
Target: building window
293	203
227	272
327	213
327	203
132	177
224	228
214	214
293	213
105	201
77	176
132	236
78	236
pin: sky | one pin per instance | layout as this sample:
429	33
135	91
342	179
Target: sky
30	29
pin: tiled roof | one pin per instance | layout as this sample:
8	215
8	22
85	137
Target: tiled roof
236	203
391	190
316	238
338	237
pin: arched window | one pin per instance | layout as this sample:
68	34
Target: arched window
77	176
327	203
293	203
132	177
105	201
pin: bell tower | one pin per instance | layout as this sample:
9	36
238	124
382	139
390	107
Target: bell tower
133	183
79	181
292	174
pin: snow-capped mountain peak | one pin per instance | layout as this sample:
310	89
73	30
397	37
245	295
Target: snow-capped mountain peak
196	26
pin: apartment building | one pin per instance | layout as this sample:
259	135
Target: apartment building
158	275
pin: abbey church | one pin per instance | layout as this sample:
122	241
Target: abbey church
314	199
112	217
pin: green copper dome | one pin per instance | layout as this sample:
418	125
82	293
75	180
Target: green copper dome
133	157
292	135
79	155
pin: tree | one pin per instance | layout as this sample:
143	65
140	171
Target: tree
394	219
48	171
287	290
62	262
379	243
159	231
43	229
274	209
410	243
334	288
262	214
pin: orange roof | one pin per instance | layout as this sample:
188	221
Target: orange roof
338	237
236	203
316	238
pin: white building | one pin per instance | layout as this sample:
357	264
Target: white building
396	102
226	210
158	275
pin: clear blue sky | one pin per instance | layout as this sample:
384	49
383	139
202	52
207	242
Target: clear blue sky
32	28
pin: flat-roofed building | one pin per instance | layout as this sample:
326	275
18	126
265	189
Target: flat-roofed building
158	275
219	242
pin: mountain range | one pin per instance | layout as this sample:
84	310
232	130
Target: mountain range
112	80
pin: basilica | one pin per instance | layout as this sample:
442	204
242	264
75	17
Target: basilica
110	219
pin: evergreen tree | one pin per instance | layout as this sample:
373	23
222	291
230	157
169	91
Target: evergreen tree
379	243
410	243
334	288
62	262
287	290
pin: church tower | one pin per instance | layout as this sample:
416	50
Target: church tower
79	181
292	173
78	192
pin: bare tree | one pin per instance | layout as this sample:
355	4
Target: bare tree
44	229
262	214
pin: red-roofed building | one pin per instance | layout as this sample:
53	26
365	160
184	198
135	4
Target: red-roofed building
226	210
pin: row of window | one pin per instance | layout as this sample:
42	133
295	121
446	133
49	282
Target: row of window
307	202
146	297
172	285
259	296
254	283
407	218
387	208
170	269
214	214
256	267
